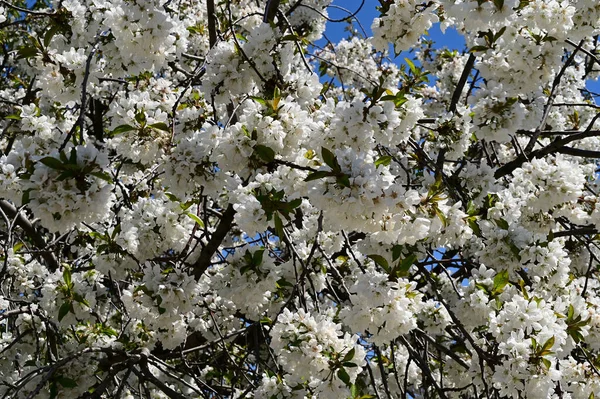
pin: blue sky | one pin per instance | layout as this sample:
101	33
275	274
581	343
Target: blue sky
335	31
450	39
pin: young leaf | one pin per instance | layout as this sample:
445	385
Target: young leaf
259	100
412	66
500	281
384	160
196	219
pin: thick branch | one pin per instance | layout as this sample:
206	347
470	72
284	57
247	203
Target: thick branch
462	82
553	147
582	231
271	10
577	152
213	244
212	23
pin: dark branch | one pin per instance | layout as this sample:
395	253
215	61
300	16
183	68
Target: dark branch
461	83
271	11
32	233
212	23
551	148
213	244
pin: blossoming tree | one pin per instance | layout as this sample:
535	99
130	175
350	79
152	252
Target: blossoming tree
199	201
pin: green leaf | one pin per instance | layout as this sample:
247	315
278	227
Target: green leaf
571	312
15	117
54	28
384	160
63	157
534	344
396	252
547	363
64	309
122	129
317	175
472	209
257	257
160	126
27	52
343	375
25	198
80	299
17	247
381	261
322	69
279	226
196	219
547	347
172	197
441	215
265	153
103	176
503	224
284	283
475	49
259	100
404	266
472	221
290	38
343	180
67	276
140	117
482	287
349	356
293	204
330	160
501	31
354	391
500	281
412	66
53	163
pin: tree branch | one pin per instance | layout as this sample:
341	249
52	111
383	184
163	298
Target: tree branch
212	23
551	98
271	11
32	233
555	146
461	83
213	244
